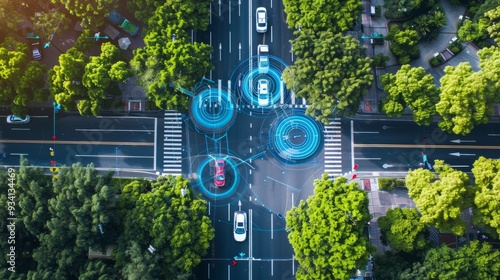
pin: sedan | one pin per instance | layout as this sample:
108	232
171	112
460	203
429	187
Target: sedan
261	20
219	173
17	119
240	226
263	92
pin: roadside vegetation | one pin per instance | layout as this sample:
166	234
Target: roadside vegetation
332	71
441	200
155	230
327	232
167	65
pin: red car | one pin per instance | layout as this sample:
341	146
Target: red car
219	173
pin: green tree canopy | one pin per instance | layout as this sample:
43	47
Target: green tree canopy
494	28
403	230
65	79
331	72
91	12
411	87
465	99
82	201
404	44
474	261
164	65
440	201
336	16
176	225
487	178
21	81
327	230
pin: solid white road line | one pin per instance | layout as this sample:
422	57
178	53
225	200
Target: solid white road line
113	156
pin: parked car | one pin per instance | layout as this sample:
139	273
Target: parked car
263	91
263	58
240	226
127	26
261	20
219	173
16	119
35	50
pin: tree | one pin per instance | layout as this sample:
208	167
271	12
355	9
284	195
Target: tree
474	261
10	17
91	12
411	87
165	65
170	219
331	72
440	201
391	264
487	178
404	44
48	23
65	79
474	31
336	16
82	201
327	230
403	230
494	28
21	81
465	100
102	73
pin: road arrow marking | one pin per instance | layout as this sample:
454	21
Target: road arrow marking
458	141
457	154
385	166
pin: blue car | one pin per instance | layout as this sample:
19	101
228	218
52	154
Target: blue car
127	26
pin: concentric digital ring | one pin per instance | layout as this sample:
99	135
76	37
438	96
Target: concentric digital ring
295	138
213	110
249	86
205	180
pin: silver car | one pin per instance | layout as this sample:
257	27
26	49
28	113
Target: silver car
240	226
17	119
261	20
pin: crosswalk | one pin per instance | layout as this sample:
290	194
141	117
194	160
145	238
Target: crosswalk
172	143
333	148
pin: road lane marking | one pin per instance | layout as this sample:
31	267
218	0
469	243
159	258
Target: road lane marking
61	142
113	156
272	267
360	132
352	143
272	222
208	264
114	130
228	212
368	158
15	128
427	146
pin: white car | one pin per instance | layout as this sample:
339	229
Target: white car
263	89
240	226
17	119
261	20
263	58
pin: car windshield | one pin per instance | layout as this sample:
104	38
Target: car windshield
240	230
219	177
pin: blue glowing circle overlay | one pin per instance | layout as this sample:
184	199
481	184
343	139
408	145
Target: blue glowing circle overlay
249	86
211	111
204	184
295	138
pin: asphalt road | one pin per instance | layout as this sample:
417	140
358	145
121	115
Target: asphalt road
124	144
396	145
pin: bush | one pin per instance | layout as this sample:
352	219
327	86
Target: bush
390	183
380	60
434	62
